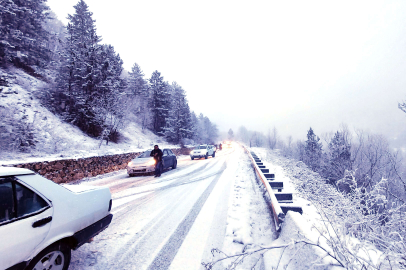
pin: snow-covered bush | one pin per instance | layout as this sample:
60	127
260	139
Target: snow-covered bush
356	220
16	131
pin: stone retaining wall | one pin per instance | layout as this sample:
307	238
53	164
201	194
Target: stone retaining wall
64	171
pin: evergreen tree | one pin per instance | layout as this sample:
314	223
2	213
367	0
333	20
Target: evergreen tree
206	131
339	159
23	38
109	102
230	134
212	131
80	72
187	131
201	129
138	93
194	127
136	83
178	121
313	151
159	102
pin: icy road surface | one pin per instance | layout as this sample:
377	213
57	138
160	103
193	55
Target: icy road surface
174	221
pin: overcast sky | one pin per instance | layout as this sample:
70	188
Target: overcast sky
289	64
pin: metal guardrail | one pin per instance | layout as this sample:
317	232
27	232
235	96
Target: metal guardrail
278	214
280	202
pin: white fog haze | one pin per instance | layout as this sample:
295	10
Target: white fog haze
263	64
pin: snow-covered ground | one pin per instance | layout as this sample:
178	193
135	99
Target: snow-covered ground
175	221
56	139
312	240
249	221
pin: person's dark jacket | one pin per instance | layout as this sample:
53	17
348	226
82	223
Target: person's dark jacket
158	156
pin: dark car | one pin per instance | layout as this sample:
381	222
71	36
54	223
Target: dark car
144	163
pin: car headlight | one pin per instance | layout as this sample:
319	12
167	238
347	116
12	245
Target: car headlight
130	163
152	162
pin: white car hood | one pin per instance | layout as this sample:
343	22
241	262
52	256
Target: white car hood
141	160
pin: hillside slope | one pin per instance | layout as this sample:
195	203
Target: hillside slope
30	132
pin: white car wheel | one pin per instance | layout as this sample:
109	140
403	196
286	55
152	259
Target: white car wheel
55	257
53	260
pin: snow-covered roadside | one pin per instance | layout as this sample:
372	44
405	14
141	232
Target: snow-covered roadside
249	221
327	231
56	139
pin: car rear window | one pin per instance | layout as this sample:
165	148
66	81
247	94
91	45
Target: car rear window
28	202
202	147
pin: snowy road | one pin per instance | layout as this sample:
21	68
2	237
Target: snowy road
171	222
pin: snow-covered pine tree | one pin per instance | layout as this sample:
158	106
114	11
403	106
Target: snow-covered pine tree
169	130
78	74
138	93
23	38
56	40
159	102
300	150
339	158
194	127
313	151
212	131
230	134
207	132
202	130
136	82
178	121
187	130
202	135
110	101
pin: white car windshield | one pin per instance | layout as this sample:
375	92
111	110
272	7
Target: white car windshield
145	154
200	147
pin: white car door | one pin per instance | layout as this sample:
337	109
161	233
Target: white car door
25	220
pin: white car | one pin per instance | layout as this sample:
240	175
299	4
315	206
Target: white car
144	163
40	221
203	150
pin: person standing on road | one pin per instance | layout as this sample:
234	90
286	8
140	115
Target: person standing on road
157	154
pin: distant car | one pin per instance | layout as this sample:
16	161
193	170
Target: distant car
227	144
144	163
203	150
40	221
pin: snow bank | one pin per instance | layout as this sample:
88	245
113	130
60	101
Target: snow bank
295	252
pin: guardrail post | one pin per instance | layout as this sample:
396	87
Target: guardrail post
268	179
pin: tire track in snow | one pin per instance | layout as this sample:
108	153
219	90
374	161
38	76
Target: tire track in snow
166	255
122	246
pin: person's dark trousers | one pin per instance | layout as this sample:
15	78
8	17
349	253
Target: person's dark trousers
157	168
